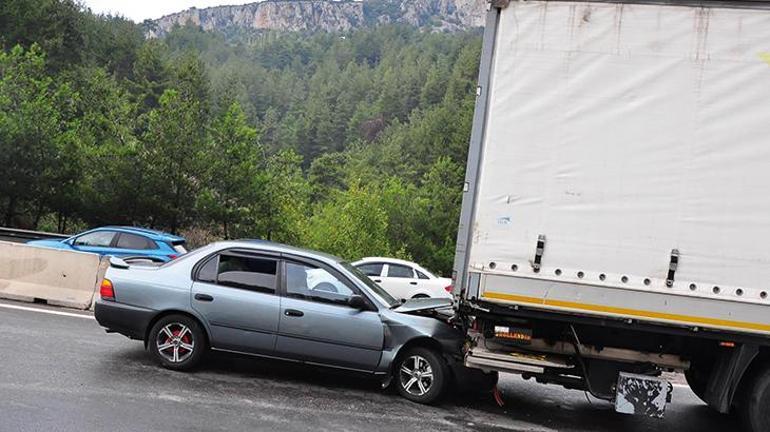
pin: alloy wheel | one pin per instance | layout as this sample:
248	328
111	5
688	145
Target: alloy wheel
175	342
416	375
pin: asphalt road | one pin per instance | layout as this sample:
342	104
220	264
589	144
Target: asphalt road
63	373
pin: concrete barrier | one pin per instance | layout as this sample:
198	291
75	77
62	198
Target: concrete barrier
59	277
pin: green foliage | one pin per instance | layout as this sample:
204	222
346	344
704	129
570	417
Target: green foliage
172	159
36	142
351	224
232	175
352	143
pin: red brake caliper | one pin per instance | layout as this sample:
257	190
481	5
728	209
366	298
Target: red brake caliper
168	338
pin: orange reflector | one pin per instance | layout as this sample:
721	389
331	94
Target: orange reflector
727	344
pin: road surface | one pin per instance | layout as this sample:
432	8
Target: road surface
59	371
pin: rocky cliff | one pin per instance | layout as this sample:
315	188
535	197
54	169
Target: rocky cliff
327	15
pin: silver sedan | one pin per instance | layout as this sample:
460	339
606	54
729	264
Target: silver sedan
266	299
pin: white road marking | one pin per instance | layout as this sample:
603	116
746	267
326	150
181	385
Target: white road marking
46	311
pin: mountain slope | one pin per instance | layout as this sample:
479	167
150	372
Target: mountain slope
330	16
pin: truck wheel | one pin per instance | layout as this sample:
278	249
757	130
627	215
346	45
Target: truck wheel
421	375
474	381
177	342
697	379
754	407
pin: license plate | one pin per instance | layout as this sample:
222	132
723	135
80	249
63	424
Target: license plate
514	334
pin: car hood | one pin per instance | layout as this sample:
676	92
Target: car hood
422	304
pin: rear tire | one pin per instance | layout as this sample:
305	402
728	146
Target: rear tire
754	408
177	342
697	379
421	375
474	381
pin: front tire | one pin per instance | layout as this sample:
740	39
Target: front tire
177	342
421	375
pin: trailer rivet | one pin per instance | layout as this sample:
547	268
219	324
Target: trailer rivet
558	272
514	267
693	287
602	276
739	292
580	274
647	281
763	295
716	290
624	279
492	265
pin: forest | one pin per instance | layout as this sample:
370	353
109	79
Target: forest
350	143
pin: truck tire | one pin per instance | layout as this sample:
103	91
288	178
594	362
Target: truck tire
474	381
754	407
697	379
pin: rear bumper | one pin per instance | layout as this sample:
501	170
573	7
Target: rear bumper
127	320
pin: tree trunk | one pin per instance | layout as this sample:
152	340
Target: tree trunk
9	211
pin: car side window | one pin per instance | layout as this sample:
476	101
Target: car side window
242	272
317	284
98	239
399	271
208	272
371	269
421	275
133	241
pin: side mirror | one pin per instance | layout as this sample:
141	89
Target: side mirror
357	302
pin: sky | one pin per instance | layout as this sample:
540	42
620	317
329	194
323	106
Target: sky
140	10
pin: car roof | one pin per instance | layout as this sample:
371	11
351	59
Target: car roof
388	261
153	234
271	246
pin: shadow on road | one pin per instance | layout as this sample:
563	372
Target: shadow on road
537	407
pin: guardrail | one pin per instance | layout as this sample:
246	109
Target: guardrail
23	236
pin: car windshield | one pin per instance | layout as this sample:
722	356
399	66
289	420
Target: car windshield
381	294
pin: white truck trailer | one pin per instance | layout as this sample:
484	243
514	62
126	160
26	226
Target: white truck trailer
616	214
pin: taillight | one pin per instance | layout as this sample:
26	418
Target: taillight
448	288
173	257
106	291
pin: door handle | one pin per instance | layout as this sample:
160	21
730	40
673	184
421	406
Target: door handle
293	313
204	297
378	280
412	283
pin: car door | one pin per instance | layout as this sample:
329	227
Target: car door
317	325
98	242
398	280
128	244
236	292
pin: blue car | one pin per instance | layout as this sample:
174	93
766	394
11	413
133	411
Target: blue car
122	242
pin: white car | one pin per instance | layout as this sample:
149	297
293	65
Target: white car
404	279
